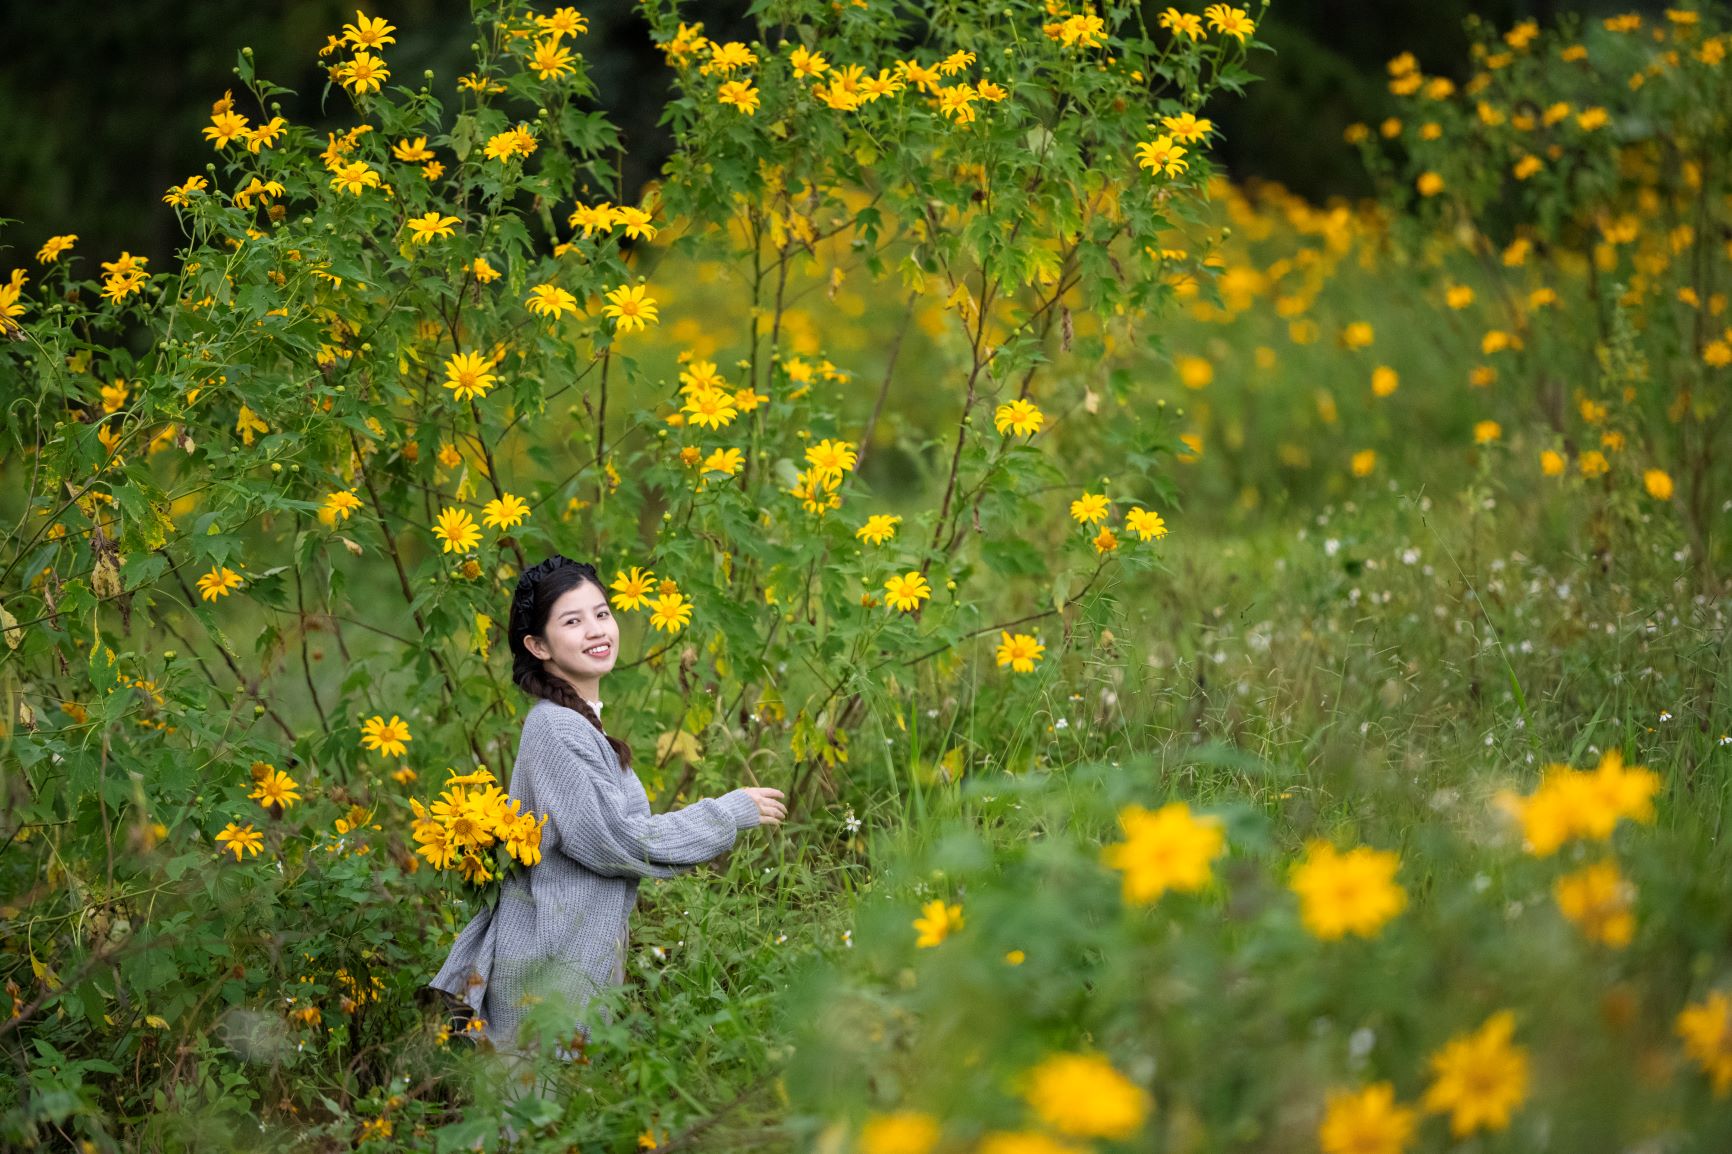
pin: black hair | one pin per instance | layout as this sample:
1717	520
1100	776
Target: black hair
531	604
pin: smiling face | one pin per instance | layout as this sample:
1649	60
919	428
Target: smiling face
581	639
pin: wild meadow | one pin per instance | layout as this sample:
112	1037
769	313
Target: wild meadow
1247	674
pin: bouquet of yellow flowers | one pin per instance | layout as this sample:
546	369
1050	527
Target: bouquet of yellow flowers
472	815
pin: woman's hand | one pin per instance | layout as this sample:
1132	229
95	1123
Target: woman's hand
771	810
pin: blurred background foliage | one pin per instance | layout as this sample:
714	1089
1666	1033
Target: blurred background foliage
104	111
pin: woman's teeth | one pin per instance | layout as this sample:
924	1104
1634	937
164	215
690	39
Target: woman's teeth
599	650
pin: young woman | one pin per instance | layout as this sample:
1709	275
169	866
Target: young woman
559	928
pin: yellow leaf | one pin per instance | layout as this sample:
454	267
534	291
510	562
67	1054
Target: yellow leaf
154	1020
680	744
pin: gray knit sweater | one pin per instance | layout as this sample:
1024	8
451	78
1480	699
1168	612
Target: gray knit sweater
559	928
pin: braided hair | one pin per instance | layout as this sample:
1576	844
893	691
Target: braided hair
531	604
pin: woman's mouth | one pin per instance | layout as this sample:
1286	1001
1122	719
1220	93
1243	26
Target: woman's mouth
599	651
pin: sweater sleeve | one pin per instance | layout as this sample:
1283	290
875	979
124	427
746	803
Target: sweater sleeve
588	813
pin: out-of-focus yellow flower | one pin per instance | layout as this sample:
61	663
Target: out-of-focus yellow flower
937	922
1347	893
1367	1121
1167	849
1084	1096
1479	1078
1598	899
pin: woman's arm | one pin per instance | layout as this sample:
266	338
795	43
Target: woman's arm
586	808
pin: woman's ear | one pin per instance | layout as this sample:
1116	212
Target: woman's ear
535	647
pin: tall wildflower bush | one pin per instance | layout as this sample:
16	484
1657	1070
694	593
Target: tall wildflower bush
1572	186
269	501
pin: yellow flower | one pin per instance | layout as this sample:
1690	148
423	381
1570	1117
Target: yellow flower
879	528
218	582
1195	372
180	196
1019	651
1185	24
1081	29
242	837
1366	1121
1458	296
1429	184
339	504
1364	462
906	591
1232	21
551	60
1384	381
830	459
807	65
1358	335
275	788
710	408
1164	850
592	217
903	1132
725	461
425	228
1706	1028
368	32
482	271
412	151
1162	155
727	57
670	611
224	127
1106	540
630	308
1479	1078
547	300
1552	463
265	135
1592	463
1186	128
1083	1096
633	589
1597	898
1023	1141
386	737
636	221
1486	432
504	511
54	246
354	176
476	82
467	375
1658	483
937	922
1019	417
456	530
365	73
1350	893
1145	523
502	146
740	94
1089	509
564	22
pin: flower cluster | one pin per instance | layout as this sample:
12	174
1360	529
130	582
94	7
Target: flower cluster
472	815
